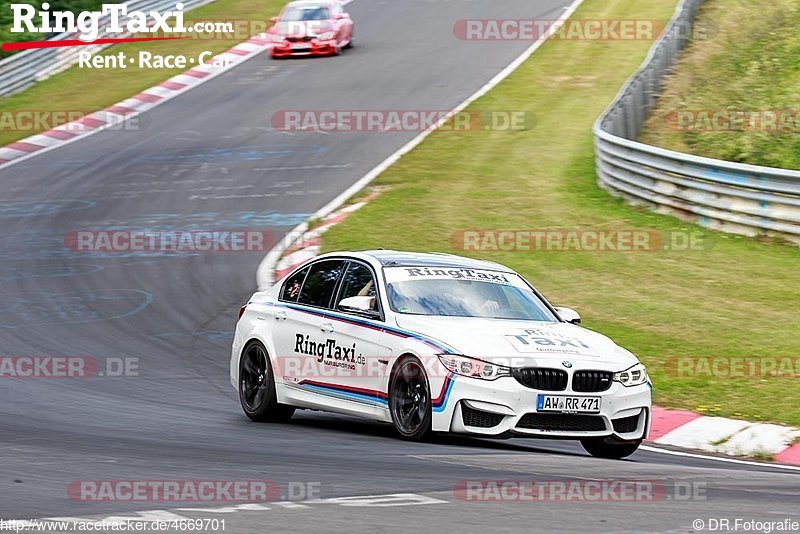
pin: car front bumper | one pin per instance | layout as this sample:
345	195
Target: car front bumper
504	407
311	48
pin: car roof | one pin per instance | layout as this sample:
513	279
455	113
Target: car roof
320	3
396	258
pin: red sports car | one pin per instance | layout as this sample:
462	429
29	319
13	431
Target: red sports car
311	28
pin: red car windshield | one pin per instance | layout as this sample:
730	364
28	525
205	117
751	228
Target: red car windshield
306	13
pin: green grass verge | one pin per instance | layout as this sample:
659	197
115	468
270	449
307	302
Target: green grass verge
738	298
84	90
750	64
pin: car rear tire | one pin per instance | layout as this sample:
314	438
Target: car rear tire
600	448
410	400
257	386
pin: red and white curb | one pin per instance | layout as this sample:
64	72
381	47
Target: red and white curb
720	435
131	107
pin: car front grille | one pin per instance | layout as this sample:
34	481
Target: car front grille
479	418
591	381
541	378
306	39
562	422
626	424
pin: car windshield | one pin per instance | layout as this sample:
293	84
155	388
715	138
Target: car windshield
463	293
306	13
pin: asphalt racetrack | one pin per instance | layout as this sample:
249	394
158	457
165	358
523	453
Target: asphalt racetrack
210	159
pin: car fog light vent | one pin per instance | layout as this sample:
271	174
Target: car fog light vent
626	424
479	418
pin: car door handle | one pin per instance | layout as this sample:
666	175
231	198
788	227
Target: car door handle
326	327
280	315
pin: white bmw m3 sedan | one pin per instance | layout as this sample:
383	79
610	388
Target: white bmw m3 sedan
435	343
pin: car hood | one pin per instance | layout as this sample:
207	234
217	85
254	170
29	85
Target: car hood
520	343
302	28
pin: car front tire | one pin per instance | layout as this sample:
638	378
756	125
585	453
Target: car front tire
410	400
600	448
257	386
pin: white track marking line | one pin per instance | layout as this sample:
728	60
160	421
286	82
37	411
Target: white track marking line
720	459
266	270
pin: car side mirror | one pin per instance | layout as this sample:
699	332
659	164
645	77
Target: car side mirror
274	19
569	315
361	305
341	16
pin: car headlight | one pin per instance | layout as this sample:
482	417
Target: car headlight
633	376
473	368
326	36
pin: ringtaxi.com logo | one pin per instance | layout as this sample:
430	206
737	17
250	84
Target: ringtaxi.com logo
66	367
396	120
113	18
579	240
578	491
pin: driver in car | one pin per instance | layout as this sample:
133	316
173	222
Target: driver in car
476	297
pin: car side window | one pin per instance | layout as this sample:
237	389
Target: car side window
291	288
359	282
321	282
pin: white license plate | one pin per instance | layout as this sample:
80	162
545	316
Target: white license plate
567	403
301	48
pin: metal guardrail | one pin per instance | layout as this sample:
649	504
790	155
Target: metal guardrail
732	197
24	69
